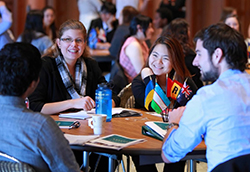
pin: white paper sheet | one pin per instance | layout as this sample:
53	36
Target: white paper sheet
79	139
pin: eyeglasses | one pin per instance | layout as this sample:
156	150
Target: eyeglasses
78	41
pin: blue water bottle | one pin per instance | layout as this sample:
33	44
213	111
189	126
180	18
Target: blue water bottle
103	101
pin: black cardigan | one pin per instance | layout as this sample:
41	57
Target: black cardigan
51	88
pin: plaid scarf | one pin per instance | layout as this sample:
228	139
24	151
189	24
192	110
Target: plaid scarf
77	88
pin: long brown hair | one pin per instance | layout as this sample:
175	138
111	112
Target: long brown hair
69	24
176	57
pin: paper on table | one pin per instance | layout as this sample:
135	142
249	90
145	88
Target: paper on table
114	141
79	139
87	114
77	115
115	110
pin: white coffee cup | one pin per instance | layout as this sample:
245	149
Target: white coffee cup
96	122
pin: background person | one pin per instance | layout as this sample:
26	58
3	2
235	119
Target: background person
5	23
104	27
49	22
233	21
134	51
162	17
33	138
140	5
126	15
219	112
69	77
88	11
33	32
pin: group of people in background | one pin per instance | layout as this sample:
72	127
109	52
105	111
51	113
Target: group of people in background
146	50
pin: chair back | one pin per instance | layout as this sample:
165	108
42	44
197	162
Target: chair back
118	80
14	165
238	164
127	97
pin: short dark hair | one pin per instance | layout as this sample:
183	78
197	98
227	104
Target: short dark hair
230	41
165	13
20	65
141	20
108	7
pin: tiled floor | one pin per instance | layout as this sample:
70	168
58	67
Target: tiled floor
201	166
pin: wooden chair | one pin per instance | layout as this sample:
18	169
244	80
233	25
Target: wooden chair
127	97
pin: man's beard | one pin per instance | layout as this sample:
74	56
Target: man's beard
211	75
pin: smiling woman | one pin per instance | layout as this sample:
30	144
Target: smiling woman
166	59
69	77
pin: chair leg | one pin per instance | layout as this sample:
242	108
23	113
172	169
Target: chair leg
97	162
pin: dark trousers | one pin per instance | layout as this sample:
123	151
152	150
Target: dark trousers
172	167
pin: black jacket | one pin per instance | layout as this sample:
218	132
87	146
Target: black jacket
51	88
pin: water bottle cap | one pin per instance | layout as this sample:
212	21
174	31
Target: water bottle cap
102	85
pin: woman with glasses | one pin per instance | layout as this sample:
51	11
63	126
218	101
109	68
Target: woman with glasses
69	77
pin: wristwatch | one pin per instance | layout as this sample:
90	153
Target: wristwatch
172	124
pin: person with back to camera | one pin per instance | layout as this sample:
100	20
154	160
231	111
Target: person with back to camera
5	23
166	58
30	137
69	76
179	29
49	22
126	15
219	113
134	51
34	33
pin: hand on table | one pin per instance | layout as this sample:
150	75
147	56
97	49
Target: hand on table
176	114
85	103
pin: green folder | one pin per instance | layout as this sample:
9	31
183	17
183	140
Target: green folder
149	132
65	124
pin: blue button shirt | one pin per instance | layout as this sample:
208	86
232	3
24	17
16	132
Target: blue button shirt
221	113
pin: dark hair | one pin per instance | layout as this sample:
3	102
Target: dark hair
53	25
230	41
20	65
225	12
34	23
141	20
128	12
165	13
178	28
176	57
108	7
